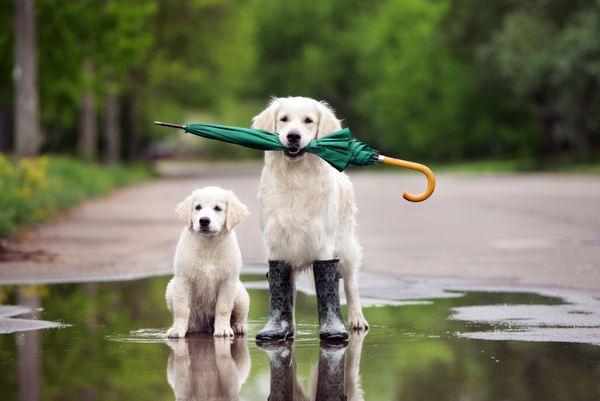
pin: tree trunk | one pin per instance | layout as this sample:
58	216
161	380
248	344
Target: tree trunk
112	132
88	131
130	126
27	140
131	121
5	131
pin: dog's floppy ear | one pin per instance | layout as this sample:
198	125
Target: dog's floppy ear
184	210
266	119
328	122
236	212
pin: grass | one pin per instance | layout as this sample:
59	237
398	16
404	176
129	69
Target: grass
34	189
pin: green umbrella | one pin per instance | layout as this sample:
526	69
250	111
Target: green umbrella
339	148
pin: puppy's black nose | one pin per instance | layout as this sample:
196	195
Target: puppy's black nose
293	137
204	221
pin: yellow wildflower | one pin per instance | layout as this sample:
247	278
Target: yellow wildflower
35	290
42	214
6	167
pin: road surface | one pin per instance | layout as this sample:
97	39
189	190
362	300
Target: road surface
513	230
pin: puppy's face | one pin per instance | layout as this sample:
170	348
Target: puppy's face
297	120
211	210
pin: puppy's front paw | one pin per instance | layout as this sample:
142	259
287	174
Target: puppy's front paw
239	328
176	332
358	322
357	336
223	331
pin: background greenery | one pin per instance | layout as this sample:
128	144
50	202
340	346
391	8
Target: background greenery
34	189
430	80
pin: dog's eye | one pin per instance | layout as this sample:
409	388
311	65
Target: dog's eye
218	209
198	207
283	119
308	120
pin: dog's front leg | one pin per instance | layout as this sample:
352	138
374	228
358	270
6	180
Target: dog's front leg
352	384
225	298
356	319
179	294
228	373
179	369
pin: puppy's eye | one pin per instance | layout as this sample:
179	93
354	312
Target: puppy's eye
218	209
283	119
308	120
198	207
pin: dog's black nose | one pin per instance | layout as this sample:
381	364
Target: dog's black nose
293	137
204	221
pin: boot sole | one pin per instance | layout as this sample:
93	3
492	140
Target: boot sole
264	337
337	337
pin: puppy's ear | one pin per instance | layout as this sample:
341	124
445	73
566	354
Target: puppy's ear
328	122
266	119
236	212
184	210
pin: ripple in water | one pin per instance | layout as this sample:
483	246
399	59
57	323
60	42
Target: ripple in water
140	336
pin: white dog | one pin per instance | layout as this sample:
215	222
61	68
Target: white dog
200	369
308	207
206	293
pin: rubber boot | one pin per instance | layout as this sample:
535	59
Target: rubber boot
280	325
283	370
331	322
330	382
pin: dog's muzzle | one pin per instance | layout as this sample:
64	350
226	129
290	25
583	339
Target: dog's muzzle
293	139
293	153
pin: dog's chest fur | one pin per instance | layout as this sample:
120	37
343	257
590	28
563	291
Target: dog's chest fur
205	266
299	209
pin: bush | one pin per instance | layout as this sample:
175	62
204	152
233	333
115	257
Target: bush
34	189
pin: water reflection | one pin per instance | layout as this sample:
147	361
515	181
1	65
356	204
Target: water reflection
28	345
337	376
115	349
203	368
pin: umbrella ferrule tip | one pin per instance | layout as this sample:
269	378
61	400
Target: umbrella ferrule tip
169	125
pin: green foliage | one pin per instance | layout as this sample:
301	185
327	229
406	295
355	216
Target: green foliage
415	91
111	36
547	55
33	190
437	80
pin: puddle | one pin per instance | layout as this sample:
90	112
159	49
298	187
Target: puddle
442	343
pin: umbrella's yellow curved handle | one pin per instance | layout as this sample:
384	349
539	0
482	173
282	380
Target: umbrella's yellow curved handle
413	166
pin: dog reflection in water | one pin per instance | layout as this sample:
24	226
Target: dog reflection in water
337	377
200	368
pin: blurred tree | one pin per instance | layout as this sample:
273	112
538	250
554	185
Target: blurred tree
203	53
7	17
112	133
414	93
308	48
88	124
82	44
546	54
27	129
127	33
560	77
429	79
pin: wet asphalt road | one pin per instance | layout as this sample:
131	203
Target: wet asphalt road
515	230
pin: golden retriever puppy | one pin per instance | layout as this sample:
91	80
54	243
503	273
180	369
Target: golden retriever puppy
203	369
206	294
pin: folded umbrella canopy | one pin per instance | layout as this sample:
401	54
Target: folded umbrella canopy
339	149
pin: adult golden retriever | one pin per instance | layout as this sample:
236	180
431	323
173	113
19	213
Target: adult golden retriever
308	207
